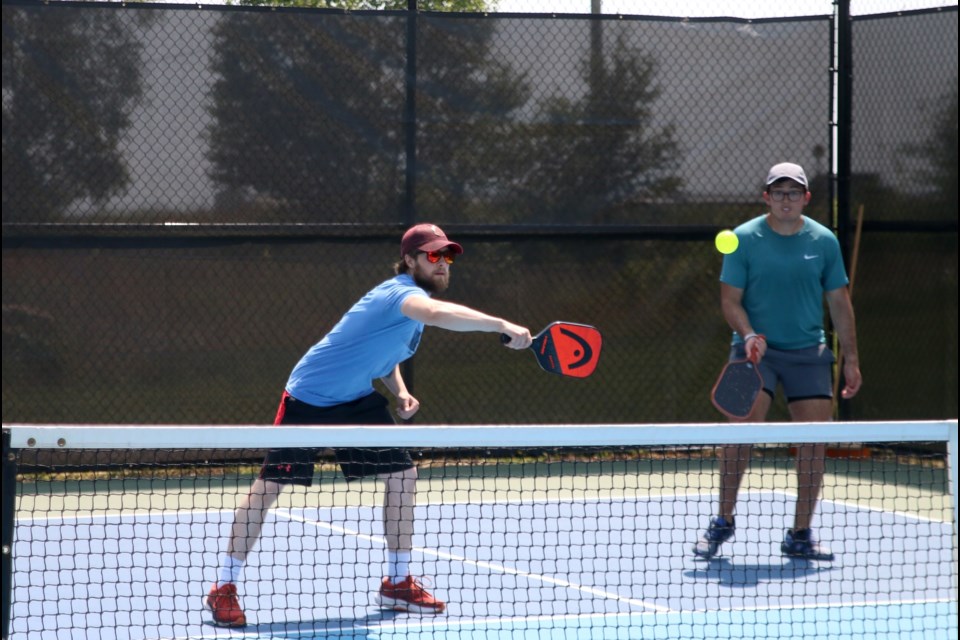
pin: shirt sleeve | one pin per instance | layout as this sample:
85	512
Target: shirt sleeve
734	269
395	295
834	273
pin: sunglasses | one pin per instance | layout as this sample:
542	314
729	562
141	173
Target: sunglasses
433	257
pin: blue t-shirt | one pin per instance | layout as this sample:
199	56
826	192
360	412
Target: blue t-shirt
370	340
783	279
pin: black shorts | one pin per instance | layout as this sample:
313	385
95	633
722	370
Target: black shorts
295	466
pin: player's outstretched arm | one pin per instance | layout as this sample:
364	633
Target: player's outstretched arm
456	317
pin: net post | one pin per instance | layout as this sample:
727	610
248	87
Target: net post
9	509
952	451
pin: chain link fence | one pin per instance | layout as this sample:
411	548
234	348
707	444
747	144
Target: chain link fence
192	196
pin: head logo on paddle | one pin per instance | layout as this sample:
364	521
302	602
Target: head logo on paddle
567	349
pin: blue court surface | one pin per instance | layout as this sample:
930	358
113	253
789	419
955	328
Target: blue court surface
528	568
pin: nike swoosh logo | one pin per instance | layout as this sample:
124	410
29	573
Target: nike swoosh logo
806	257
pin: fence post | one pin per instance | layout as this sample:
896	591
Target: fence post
844	46
410	126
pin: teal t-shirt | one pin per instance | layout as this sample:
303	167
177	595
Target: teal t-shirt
370	340
783	279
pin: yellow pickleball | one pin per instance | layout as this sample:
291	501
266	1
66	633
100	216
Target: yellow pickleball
727	241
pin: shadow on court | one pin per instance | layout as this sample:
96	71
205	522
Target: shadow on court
342	628
725	572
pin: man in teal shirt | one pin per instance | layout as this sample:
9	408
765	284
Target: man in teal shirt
333	384
771	294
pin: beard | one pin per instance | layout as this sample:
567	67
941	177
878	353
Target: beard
430	284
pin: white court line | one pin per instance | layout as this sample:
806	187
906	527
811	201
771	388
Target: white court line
489	565
614	596
439	624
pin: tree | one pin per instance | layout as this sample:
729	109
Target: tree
306	112
310	117
310	112
600	156
940	152
70	82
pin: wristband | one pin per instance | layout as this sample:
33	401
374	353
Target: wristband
753	356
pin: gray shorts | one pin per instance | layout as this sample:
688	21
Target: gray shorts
803	373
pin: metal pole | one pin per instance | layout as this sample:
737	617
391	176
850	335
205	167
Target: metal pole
410	116
410	125
844	138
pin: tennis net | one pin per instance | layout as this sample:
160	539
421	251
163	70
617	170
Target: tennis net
553	531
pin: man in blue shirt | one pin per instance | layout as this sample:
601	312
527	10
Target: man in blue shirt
771	294
333	384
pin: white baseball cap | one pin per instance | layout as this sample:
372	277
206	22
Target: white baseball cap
787	170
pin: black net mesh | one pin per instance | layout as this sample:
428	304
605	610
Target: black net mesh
515	540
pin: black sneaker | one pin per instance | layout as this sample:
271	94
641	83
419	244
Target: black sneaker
716	534
799	543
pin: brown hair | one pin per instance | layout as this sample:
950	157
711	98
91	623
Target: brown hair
400	266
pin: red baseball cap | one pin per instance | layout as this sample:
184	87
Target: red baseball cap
427	237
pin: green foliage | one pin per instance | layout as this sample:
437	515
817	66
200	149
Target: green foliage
467	101
939	155
294	126
65	110
307	106
600	156
299	82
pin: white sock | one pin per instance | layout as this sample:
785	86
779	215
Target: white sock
398	565
230	569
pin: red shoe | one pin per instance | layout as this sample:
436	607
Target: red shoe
225	605
408	595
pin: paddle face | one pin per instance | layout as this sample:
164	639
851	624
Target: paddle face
568	349
737	389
